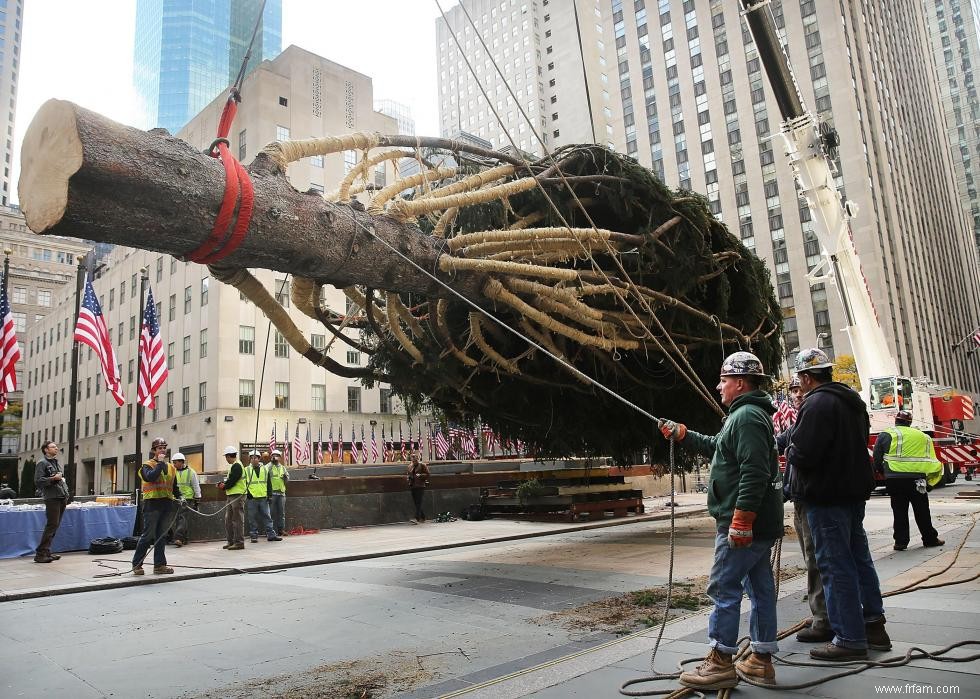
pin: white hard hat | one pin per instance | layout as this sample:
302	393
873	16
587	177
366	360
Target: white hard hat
178	457
230	451
276	452
254	453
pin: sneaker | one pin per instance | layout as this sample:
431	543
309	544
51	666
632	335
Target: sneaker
275	538
815	634
937	542
162	570
757	667
236	547
43	559
836	653
255	539
137	570
900	547
877	636
716	672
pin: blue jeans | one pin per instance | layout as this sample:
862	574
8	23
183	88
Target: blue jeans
734	571
157	519
278	507
258	515
850	582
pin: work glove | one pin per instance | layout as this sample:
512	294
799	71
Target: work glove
673	430
740	530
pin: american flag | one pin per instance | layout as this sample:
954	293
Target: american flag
364	450
272	439
288	456
355	453
411	446
153	360
9	348
319	446
374	446
390	444
490	438
401	441
442	445
332	444
469	443
91	330
308	446
784	417
976	337
340	443
297	448
418	440
384	445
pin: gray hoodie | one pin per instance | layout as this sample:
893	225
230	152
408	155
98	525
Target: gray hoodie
46	487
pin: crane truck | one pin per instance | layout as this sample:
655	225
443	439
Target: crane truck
808	145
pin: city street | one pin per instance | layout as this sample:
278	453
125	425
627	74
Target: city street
428	624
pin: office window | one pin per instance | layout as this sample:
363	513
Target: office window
282	133
282	292
282	395
44	297
187	349
246	393
319	399
187	300
246	339
132	285
19	294
202	396
185	396
132	327
129	372
118	417
353	399
385	401
316	161
172	308
204	343
353	357
122	292
282	347
204	290
170	403
129	415
86	427
242	143
318	341
159	271
170	355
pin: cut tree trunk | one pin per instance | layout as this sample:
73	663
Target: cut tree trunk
86	176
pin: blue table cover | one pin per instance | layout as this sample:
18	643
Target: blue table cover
20	530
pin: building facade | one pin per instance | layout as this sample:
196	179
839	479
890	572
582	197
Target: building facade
954	26
11	30
41	270
186	53
232	377
680	87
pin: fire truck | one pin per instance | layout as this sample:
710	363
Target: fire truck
809	145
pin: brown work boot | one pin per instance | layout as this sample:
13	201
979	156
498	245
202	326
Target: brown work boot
137	570
937	542
236	547
162	570
716	672
877	636
815	634
757	667
836	653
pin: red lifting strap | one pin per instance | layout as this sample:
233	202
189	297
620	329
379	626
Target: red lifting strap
221	243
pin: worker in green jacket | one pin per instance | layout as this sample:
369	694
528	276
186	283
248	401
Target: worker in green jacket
907	458
746	500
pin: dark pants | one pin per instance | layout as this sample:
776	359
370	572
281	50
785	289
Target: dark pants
54	509
179	531
902	493
235	519
158	516
417	495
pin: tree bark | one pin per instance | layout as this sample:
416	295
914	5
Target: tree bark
86	176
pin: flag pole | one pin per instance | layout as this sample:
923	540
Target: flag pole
80	275
144	277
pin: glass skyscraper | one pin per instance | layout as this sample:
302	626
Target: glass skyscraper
188	51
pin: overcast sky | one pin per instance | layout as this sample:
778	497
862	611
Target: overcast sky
82	50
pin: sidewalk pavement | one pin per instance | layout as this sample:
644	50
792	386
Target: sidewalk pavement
926	619
21	578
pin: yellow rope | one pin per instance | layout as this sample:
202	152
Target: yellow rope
476	181
523	235
404	210
395	328
381	198
445	221
450	264
285	152
476	332
343	193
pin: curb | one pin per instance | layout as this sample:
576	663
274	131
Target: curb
269	568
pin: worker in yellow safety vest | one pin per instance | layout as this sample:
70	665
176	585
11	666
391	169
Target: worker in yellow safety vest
907	459
158	485
234	486
258	488
278	477
190	491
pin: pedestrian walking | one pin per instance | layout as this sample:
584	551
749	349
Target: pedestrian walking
832	476
50	483
257	494
158	484
190	493
907	459
278	477
745	498
818	630
418	481
234	487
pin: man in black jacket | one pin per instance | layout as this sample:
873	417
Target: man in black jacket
832	476
50	482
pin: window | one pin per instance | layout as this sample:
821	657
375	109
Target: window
132	285
204	343
187	349
185	397
282	133
19	295
204	290
282	395
282	292
44	297
129	372
132	327
353	357
20	321
159	273
246	339
202	396
170	355
318	341
319	397
242	141
283	102
385	407
316	161
353	399
350	160
122	292
172	308
170	403
118	416
246	393
187	300
282	347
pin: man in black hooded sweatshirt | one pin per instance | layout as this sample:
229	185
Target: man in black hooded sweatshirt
832	475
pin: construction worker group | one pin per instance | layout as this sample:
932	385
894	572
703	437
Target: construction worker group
829	477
